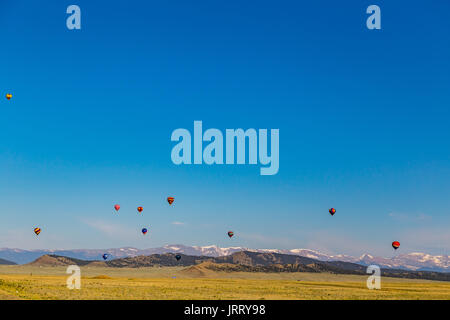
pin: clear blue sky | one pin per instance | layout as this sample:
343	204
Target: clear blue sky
363	118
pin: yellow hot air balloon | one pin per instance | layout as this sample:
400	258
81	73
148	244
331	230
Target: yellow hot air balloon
37	231
8	96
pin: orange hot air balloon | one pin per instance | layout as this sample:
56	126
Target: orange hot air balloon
332	211
37	231
8	96
395	245
140	209
117	207
170	200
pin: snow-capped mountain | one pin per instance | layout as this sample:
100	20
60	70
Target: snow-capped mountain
411	261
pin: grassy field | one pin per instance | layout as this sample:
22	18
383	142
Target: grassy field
24	282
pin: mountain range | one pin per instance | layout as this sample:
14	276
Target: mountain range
243	261
409	261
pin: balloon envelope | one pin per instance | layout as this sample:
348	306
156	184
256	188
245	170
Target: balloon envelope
178	257
105	256
395	245
8	96
37	231
230	233
170	200
144	230
332	211
117	207
140	209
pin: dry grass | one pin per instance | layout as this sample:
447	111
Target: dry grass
173	283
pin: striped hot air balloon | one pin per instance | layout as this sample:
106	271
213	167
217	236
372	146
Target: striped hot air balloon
230	233
37	231
170	200
395	245
332	211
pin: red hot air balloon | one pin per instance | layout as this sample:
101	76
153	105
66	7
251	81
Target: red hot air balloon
170	200
395	245
332	211
117	207
230	233
139	209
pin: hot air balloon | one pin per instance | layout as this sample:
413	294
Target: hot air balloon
139	209
37	231
8	96
170	200
395	245
332	211
178	257
117	207
144	231
105	256
230	233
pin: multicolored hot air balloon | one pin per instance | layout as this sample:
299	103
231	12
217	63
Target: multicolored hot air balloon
8	96
105	256
230	233
170	200
395	245
37	231
139	209
117	207
332	211
178	257
144	231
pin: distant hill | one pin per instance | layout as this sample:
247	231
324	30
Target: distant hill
204	269
6	262
207	267
57	261
166	260
275	262
245	261
408	261
210	269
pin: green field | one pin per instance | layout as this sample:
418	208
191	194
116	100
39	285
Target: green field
26	282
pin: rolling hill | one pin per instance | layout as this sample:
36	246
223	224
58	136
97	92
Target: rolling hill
58	261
